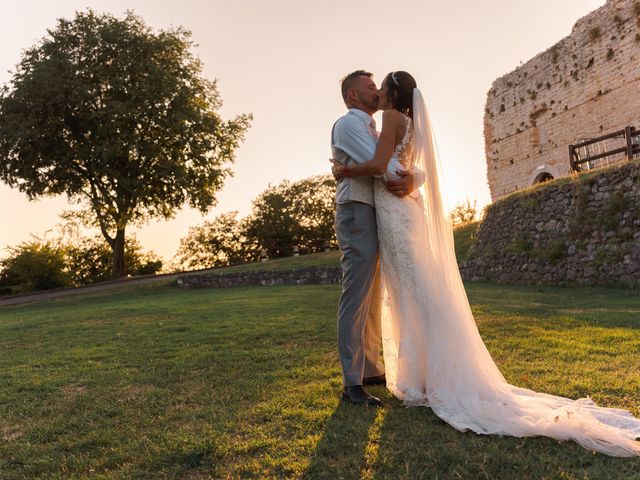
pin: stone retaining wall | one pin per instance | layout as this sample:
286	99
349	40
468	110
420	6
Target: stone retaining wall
303	276
584	230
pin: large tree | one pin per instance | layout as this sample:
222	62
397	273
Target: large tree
120	119
290	214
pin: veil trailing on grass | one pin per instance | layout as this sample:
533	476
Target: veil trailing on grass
443	362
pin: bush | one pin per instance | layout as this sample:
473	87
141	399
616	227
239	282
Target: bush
43	265
464	213
34	265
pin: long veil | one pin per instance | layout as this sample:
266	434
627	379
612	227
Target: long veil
463	384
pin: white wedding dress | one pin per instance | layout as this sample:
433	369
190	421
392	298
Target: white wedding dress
434	355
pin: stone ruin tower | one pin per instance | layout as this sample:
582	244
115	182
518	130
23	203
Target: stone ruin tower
585	86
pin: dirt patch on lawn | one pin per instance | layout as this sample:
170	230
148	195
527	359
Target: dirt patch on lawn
10	432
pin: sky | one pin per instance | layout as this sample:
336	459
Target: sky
282	61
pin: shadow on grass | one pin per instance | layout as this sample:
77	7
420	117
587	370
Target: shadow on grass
340	453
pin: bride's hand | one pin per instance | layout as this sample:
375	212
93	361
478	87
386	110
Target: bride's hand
401	187
337	170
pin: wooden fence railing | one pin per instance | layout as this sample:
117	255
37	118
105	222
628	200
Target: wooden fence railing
581	153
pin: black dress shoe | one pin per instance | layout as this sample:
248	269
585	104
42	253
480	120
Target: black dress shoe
359	396
377	380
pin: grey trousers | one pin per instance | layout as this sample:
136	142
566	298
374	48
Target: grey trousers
359	328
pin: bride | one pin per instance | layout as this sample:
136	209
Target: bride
434	355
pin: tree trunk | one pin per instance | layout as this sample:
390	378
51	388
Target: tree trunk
118	255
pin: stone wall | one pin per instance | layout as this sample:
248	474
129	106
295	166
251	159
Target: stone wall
584	86
584	230
303	276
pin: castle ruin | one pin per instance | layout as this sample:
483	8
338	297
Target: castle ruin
585	86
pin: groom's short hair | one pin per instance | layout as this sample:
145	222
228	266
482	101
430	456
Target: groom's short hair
349	80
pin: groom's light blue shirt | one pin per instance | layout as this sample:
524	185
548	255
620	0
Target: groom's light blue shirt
354	135
354	139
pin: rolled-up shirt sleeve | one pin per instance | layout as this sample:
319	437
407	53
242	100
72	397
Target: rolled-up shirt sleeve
353	138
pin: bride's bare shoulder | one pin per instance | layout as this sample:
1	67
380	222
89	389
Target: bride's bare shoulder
392	115
393	118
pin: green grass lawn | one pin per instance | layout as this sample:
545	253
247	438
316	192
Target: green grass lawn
155	382
464	237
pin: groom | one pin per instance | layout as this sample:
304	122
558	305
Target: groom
353	139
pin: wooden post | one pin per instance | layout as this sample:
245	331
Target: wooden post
296	251
572	158
628	135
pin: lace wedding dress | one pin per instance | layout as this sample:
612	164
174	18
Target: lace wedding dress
434	355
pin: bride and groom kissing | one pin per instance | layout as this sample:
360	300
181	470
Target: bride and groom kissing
402	291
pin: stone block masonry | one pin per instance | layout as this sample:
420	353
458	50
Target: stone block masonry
573	231
584	86
302	276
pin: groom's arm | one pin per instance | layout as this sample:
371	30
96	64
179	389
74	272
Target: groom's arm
352	137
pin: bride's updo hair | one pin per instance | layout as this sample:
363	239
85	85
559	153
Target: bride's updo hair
400	87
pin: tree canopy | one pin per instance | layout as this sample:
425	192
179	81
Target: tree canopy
216	243
120	119
287	215
292	214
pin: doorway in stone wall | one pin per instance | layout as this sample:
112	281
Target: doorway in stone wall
542	177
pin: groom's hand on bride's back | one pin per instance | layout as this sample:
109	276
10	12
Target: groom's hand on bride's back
401	187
